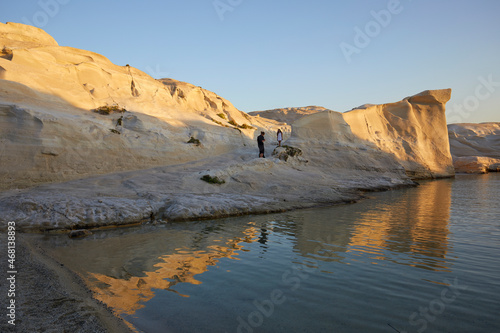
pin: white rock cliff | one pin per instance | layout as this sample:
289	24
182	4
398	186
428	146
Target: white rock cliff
49	133
475	147
50	137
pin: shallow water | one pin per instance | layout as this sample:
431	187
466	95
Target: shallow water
417	260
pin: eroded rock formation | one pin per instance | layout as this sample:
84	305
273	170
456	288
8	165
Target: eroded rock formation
475	147
411	133
50	133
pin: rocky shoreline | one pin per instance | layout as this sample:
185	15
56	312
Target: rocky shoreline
176	193
51	298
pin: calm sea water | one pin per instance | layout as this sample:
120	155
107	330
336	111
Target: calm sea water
423	259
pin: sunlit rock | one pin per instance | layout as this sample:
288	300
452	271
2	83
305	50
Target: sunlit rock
72	118
411	133
475	147
49	132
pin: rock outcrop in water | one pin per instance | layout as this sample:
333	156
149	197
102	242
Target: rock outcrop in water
475	147
50	132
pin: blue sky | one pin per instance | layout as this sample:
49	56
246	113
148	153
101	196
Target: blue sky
265	54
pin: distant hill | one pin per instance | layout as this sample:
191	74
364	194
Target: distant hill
288	115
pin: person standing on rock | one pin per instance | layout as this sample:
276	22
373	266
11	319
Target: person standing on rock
280	137
260	143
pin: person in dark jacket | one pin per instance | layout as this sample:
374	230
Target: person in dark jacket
260	143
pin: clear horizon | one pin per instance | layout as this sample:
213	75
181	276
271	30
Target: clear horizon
266	55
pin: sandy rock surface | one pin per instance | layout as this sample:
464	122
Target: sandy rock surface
50	133
141	157
172	193
412	130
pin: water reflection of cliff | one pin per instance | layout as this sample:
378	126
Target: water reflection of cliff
416	223
413	221
126	270
128	294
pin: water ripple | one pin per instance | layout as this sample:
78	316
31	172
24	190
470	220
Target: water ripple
369	267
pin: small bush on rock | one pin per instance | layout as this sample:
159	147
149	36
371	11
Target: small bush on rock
107	109
246	126
194	141
213	180
238	126
292	151
285	152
